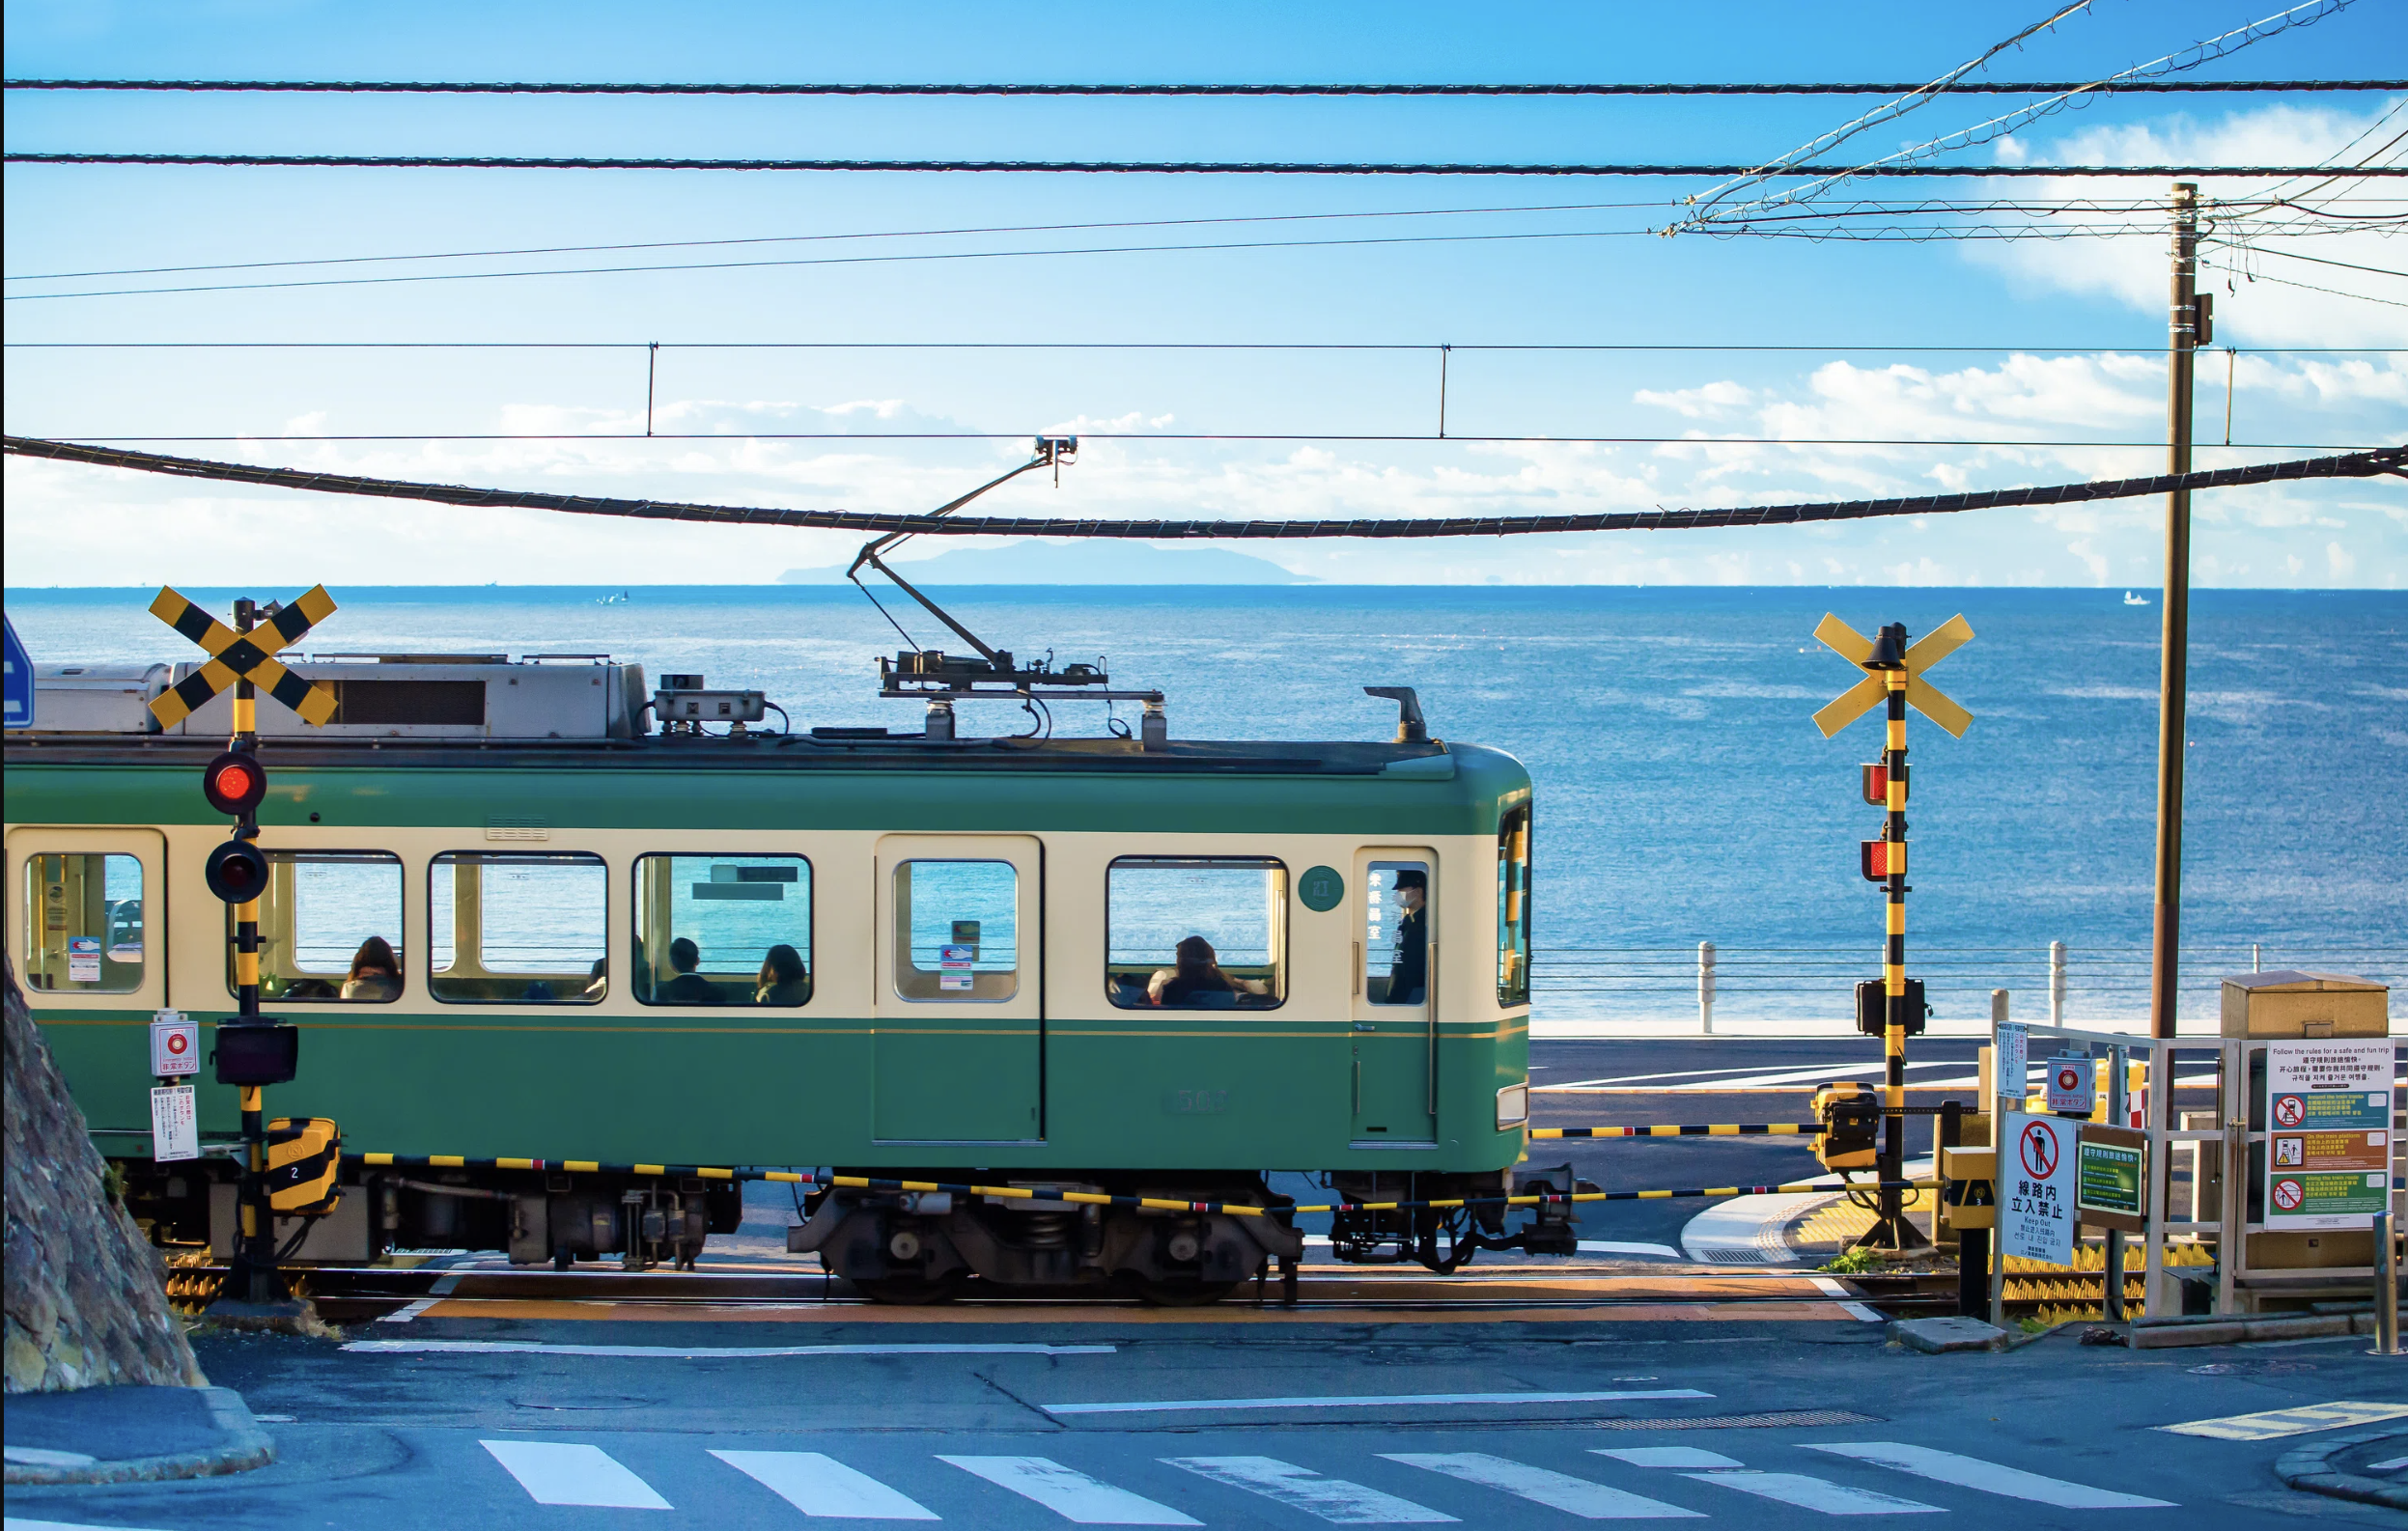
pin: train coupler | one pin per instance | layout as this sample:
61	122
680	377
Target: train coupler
1551	1230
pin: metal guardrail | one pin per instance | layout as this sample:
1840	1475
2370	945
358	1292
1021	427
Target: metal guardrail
2055	980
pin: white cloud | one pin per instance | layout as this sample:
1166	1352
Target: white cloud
1715	398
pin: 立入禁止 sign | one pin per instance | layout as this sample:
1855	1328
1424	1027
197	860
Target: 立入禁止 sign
2328	1132
2036	1188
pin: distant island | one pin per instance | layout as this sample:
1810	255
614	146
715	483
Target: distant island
1081	563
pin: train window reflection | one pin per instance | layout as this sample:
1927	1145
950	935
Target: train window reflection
513	929
1513	907
1396	933
1195	933
957	933
84	929
722	929
329	929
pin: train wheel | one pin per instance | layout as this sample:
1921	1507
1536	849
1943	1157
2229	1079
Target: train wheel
912	1292
1179	1293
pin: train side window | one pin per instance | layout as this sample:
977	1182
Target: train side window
329	929
1513	907
84	922
1195	933
518	929
1396	932
957	933
722	929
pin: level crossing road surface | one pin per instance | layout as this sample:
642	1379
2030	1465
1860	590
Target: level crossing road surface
1764	1426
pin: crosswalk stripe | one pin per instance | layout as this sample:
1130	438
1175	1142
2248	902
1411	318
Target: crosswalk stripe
1665	1455
1365	1401
1332	1499
556	1472
1068	1493
1815	1494
1558	1490
2276	1423
1989	1477
819	1484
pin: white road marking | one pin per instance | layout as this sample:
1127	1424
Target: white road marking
443	1287
21	1524
1070	1494
1349	1401
819	1484
1606	1246
1832	1289
2390	1464
2276	1423
1989	1477
1558	1490
555	1472
45	1456
1332	1499
1815	1494
1665	1455
681	1353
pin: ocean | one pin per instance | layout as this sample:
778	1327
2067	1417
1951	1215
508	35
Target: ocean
1682	794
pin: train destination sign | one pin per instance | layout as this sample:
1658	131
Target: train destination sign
2036	1188
2328	1132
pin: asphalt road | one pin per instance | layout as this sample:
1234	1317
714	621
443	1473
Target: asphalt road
1153	1424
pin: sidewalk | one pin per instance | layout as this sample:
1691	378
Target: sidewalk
130	1434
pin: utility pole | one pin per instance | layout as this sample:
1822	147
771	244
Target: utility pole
2187	328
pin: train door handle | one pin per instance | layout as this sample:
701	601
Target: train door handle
1358	1085
1366	1025
1359	969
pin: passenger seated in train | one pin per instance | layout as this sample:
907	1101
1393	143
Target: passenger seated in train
688	987
1197	982
375	972
598	983
1409	975
783	980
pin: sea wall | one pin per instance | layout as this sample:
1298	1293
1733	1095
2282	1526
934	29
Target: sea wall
85	1293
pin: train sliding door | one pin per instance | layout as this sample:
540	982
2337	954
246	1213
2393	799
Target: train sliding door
1395	1005
959	1008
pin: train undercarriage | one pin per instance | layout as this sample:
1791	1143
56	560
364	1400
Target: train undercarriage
894	1246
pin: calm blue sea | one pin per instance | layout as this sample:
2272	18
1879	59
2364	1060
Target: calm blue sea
1683	793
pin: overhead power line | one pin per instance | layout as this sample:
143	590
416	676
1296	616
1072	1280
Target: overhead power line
1593	88
1144	167
2359	464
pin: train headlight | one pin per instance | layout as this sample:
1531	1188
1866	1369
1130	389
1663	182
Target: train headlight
1513	1106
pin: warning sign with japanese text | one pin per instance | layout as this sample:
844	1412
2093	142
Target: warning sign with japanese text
2328	1132
2036	1188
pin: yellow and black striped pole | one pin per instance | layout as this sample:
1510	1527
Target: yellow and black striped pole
255	1254
1892	1230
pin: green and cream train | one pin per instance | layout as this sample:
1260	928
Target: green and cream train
510	919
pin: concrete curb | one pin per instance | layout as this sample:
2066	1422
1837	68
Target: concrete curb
246	1447
2305	1470
2157	1334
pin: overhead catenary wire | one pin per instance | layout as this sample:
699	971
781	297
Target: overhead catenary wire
1228	89
1140	167
2360	464
1432	438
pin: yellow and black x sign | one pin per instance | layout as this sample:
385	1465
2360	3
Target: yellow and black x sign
244	656
1920	695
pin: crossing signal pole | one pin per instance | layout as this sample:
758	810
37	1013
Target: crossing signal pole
1893	675
253	1051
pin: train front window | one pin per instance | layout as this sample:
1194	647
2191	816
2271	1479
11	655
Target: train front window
84	922
1195	933
1513	907
722	929
329	929
1396	932
957	933
510	928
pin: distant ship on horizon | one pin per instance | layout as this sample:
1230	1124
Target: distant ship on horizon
2131	599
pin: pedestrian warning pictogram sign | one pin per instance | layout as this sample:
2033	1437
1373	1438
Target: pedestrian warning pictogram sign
2289	1111
1920	694
244	656
2036	1191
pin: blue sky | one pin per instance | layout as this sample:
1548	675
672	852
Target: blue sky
1852	306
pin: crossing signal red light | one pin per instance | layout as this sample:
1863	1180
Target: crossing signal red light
1877	783
237	871
1881	858
234	783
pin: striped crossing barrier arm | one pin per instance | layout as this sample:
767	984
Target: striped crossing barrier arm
1060	1193
1688	1129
